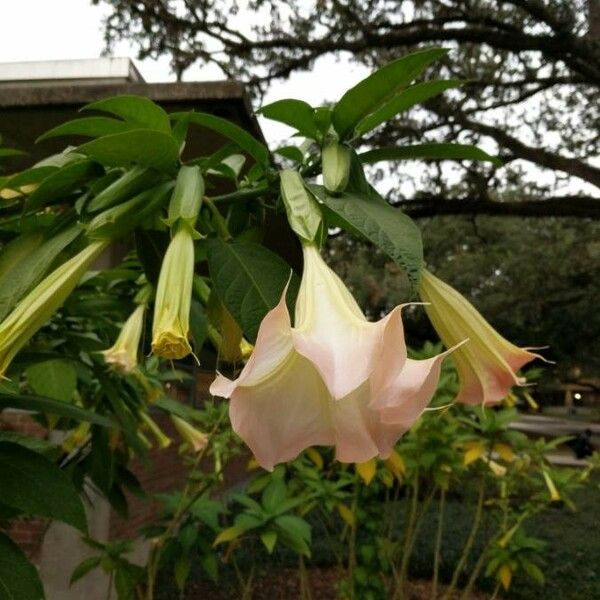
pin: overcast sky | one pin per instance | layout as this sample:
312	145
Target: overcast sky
66	29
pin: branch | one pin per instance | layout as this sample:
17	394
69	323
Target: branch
561	206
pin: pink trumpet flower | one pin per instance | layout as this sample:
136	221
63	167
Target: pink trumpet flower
332	379
487	365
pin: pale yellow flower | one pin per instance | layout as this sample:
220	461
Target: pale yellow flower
194	438
171	326
487	364
123	354
35	309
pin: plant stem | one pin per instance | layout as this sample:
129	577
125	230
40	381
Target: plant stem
496	590
412	515
305	593
352	539
218	220
438	544
188	497
241	195
469	543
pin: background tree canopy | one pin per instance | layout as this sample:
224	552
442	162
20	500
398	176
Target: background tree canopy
531	95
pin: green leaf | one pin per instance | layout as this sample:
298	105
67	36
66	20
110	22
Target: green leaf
269	539
63	182
151	246
228	535
415	94
29	177
198	325
11	152
273	495
295	113
56	379
38	487
388	228
19	579
291	152
242	138
84	567
139	111
144	147
249	280
295	533
378	89
53	407
87	126
28	269
431	151
36	444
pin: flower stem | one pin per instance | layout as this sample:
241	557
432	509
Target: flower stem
469	543
438	544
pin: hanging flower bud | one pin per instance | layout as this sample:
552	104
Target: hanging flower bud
36	308
171	325
193	437
163	440
187	196
335	160
301	206
123	355
487	364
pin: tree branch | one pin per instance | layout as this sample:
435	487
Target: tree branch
562	206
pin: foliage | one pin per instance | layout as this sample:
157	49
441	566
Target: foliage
117	200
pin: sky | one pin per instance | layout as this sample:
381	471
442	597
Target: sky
32	30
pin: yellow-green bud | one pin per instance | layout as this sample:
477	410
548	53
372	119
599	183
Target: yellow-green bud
302	209
171	326
122	356
194	438
335	159
187	196
42	302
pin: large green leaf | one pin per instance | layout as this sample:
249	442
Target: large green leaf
29	268
53	407
145	147
431	151
139	111
378	89
29	177
87	126
295	113
38	487
56	379
388	228
19	579
63	182
10	152
415	94
249	280
231	131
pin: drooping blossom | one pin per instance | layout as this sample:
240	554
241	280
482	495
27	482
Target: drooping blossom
38	306
123	354
171	325
195	439
332	379
488	364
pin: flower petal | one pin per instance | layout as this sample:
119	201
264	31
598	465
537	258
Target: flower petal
332	332
405	399
284	413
